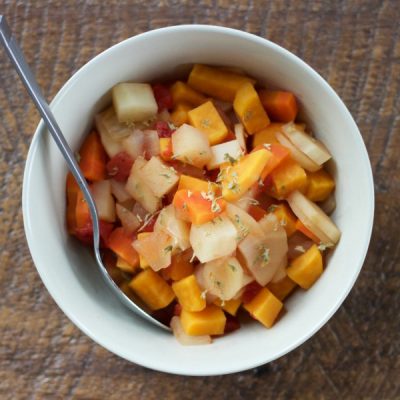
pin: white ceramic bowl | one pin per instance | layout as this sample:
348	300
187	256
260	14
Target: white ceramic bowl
69	272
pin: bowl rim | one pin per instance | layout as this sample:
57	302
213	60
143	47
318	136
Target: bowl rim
364	158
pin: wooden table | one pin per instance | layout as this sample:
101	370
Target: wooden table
354	45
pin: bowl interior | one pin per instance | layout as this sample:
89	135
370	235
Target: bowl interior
69	272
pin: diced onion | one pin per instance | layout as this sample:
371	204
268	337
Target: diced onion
104	200
129	221
328	206
314	218
183	338
134	144
297	155
311	147
119	191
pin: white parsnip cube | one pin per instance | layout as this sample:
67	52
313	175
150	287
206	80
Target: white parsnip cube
224	152
191	146
159	177
134	101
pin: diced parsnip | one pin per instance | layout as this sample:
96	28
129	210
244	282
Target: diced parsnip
320	185
297	154
152	289
139	190
156	248
310	146
119	192
223	277
168	222
207	119
307	268
238	178
188	294
129	221
104	200
180	267
134	101
108	123
159	177
265	307
183	338
249	109
267	135
210	321
217	82
240	136
286	178
243	222
134	144
213	239
111	146
191	146
183	93
314	218
282	288
222	153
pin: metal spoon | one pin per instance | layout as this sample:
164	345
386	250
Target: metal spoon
26	75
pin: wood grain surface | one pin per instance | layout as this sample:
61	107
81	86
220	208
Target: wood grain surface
355	46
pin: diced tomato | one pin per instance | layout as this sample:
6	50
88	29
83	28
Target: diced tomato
163	97
250	291
232	323
85	233
163	129
256	212
120	166
268	182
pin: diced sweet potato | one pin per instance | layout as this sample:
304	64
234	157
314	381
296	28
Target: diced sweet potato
210	321
207	119
217	82
179	115
183	93
180	267
307	268
125	266
282	288
230	306
194	184
286	218
152	289
264	307
188	294
320	185
267	135
249	109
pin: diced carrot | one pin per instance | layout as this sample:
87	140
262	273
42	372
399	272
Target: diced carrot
304	230
93	158
196	208
279	154
121	244
280	106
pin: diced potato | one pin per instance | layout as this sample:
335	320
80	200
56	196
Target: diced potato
213	239
111	145
286	178
180	267
222	153
104	200
282	288
230	306
180	114
134	101
307	268
210	321
223	277
238	179
139	190
156	248
185	339
265	307
248	107
320	185
207	119
188	294
152	289
217	82
183	93
191	146
159	177
168	222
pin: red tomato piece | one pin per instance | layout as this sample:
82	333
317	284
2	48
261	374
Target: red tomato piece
250	291
163	97
163	129
119	167
85	233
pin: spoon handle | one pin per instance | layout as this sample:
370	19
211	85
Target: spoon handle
15	54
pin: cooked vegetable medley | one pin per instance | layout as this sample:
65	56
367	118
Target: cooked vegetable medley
213	199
